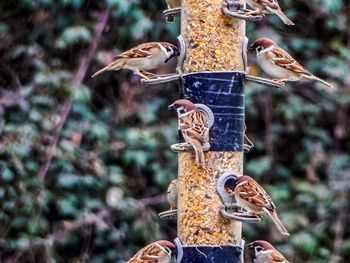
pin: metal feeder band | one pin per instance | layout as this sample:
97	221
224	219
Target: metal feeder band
211	254
223	93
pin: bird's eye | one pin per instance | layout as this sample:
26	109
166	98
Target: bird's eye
259	48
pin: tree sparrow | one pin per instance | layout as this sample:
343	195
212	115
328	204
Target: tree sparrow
194	127
144	57
252	197
172	193
278	64
157	252
264	252
269	7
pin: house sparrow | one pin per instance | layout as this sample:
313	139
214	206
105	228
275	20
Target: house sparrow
264	252
194	127
172	193
144	57
252	197
157	252
278	64
269	7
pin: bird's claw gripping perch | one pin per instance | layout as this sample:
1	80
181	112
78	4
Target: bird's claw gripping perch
264	81
234	211
158	79
235	9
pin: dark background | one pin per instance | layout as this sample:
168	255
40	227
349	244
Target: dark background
99	199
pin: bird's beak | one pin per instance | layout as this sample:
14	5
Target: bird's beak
171	107
177	52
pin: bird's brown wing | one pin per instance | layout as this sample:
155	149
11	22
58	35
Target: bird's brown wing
281	58
195	126
253	193
149	254
278	257
141	51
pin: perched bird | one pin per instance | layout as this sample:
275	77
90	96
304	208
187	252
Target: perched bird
194	127
269	7
157	252
172	193
264	252
278	64
252	197
144	57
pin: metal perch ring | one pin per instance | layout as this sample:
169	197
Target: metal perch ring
186	147
239	216
169	214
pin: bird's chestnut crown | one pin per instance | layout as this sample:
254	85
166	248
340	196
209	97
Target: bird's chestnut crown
182	106
262	43
260	245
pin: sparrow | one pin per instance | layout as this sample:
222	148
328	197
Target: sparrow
253	198
172	193
194	127
264	252
144	57
278	64
269	7
157	252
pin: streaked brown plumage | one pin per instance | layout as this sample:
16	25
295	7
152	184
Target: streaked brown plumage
269	7
252	197
278	64
157	252
264	252
144	57
194	127
172	193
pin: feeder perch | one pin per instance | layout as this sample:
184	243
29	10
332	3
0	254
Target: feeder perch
264	81
171	13
235	9
229	209
169	214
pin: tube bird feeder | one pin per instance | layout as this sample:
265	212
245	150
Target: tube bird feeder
213	75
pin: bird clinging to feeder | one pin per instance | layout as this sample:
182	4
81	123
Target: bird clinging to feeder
269	7
172	193
157	252
253	198
278	64
194	127
144	57
264	252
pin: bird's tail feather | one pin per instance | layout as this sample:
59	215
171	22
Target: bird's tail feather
113	66
281	228
284	18
199	156
313	77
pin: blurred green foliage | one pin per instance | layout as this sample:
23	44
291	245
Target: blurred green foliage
101	195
